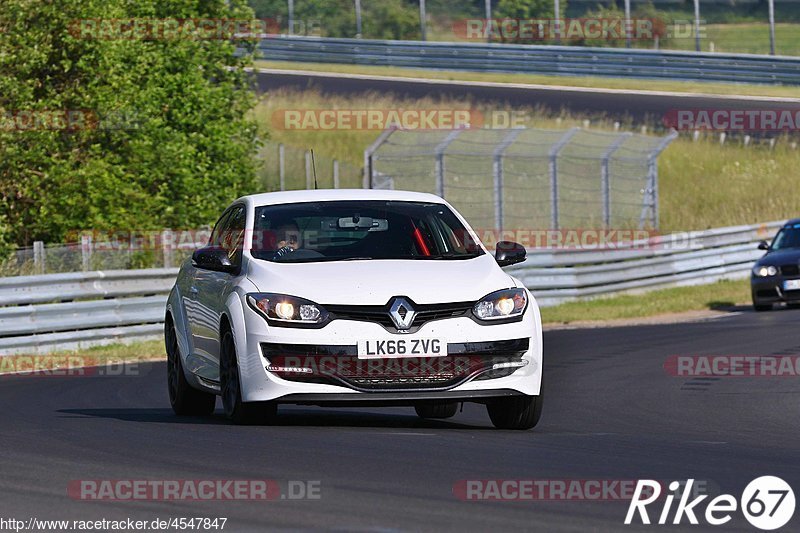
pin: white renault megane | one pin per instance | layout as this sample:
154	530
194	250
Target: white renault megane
352	297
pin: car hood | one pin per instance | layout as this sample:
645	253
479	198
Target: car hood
375	282
781	257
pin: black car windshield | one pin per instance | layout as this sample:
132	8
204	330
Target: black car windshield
355	230
787	237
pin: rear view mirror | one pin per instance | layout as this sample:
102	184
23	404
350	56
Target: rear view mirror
763	245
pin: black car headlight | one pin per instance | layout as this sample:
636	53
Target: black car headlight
506	304
285	310
764	271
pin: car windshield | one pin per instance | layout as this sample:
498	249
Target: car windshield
787	237
354	230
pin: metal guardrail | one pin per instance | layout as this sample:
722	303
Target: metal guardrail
70	311
537	59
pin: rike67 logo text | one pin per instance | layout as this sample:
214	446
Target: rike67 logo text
767	503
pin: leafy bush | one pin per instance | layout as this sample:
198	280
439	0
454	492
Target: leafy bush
167	140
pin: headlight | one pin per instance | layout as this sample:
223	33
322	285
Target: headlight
284	310
765	271
504	304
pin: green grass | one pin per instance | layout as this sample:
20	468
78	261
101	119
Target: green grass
720	295
702	184
750	38
541	79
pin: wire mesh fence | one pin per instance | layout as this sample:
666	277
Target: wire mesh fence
527	178
159	249
290	168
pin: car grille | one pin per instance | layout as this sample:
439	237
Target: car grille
790	270
340	365
379	314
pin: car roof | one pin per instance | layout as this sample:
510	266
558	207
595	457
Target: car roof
328	195
792	222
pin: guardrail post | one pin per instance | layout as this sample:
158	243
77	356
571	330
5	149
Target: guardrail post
335	174
167	238
553	168
439	162
282	166
368	156
86	252
605	177
497	171
38	257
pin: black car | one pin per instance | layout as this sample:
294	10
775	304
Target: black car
776	276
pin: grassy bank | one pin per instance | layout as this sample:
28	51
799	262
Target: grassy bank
720	295
702	184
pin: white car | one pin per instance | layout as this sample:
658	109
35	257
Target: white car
352	297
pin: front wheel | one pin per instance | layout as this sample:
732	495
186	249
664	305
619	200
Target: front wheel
239	412
515	412
762	307
184	399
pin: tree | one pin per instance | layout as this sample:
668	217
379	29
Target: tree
162	135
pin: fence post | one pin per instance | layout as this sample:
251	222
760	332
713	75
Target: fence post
439	152
38	257
651	194
497	171
553	167
358	18
605	177
335	174
282	166
86	252
368	153
166	246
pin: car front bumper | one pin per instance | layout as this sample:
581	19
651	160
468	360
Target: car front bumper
339	377
770	290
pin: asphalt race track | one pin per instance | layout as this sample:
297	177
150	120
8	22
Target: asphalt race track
611	412
636	106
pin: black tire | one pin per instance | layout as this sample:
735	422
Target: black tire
762	307
436	409
515	412
184	399
793	305
237	411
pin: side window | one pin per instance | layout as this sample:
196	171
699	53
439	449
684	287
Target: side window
219	230
232	236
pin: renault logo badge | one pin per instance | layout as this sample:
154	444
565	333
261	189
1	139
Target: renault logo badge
402	313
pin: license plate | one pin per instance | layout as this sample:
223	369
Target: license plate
393	348
791	285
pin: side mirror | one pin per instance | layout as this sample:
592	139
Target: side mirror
763	245
216	259
509	253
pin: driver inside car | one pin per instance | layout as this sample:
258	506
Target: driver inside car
288	237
